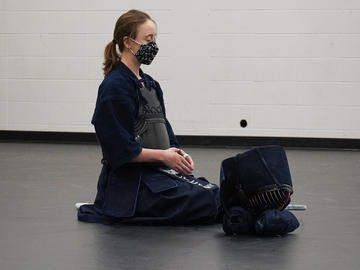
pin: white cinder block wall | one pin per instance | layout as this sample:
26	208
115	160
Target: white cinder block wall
290	68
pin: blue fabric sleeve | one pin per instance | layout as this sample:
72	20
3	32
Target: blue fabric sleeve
114	121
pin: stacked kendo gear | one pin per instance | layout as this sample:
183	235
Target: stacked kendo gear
255	188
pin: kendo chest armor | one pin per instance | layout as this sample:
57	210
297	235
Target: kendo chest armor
150	126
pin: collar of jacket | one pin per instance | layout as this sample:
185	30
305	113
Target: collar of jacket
145	79
148	81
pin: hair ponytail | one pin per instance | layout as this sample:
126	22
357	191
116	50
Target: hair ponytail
126	25
111	57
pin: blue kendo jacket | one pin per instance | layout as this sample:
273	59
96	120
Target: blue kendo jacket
114	116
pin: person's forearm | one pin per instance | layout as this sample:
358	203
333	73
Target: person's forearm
149	155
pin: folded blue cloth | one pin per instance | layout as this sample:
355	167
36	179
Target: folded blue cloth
238	221
274	222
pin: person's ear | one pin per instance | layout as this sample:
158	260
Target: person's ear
126	41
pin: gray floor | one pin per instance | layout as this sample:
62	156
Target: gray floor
39	184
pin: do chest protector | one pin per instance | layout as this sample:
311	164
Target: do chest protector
150	126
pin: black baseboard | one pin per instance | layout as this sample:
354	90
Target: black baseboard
185	140
292	142
46	137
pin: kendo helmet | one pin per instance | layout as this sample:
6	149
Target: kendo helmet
256	180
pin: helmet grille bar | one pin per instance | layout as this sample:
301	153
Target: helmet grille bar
275	198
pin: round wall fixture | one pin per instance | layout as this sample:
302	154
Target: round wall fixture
243	123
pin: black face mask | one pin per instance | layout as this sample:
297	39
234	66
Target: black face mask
146	53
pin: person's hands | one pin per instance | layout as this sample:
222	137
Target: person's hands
175	160
187	157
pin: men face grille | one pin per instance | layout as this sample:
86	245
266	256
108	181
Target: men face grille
270	199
